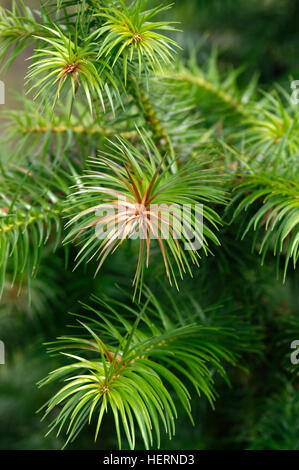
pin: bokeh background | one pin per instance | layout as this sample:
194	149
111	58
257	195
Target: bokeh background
262	37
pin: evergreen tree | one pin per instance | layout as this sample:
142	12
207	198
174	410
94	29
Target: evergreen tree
117	119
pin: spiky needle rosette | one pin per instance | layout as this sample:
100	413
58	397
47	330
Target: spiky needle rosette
60	60
134	370
142	196
128	33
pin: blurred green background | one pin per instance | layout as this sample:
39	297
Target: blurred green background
259	35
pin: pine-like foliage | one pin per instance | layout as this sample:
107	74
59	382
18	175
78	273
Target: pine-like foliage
135	194
136	374
130	161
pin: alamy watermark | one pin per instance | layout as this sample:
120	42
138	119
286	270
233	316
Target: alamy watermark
295	354
124	219
2	353
2	92
295	93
